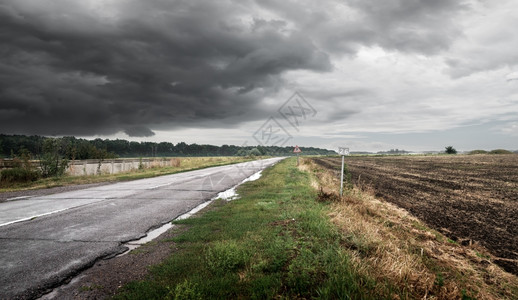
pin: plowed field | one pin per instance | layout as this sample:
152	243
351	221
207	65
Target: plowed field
469	198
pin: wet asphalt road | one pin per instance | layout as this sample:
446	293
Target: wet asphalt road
45	240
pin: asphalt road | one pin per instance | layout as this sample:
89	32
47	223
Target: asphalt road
45	240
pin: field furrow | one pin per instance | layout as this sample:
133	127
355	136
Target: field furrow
468	198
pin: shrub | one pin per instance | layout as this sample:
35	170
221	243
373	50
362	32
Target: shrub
175	162
478	152
18	175
52	162
450	150
500	151
254	152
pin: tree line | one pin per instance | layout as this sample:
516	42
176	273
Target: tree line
73	148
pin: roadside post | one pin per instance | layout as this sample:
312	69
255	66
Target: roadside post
343	152
297	150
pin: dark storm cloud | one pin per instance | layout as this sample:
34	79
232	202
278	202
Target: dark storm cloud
342	27
139	131
68	69
101	67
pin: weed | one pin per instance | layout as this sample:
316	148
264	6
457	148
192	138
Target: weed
140	164
465	296
18	175
184	291
452	241
86	288
439	279
175	162
484	256
225	256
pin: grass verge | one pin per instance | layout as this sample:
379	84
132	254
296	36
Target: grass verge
183	164
386	243
276	241
290	236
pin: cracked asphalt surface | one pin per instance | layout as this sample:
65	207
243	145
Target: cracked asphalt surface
45	240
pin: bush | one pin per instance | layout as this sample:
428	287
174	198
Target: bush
450	150
175	162
52	162
500	151
478	152
18	175
254	152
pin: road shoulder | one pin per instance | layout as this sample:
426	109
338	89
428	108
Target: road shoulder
106	276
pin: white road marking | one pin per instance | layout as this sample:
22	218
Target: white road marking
33	217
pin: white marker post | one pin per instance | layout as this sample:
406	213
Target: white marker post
343	152
297	150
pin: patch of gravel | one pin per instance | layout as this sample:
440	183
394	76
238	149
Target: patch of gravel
5	196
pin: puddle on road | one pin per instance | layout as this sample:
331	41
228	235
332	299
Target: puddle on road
253	177
228	195
150	235
231	194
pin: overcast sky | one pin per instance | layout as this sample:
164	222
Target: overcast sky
370	75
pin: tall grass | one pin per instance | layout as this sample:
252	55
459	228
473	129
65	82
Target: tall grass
387	244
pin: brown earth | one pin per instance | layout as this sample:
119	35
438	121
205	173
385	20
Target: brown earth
469	198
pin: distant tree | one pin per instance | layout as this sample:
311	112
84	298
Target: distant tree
254	152
241	152
53	161
73	148
450	150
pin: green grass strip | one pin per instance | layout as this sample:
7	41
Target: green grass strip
276	241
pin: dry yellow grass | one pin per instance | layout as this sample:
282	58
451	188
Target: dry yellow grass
386	243
178	164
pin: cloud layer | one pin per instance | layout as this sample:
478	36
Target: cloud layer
71	69
101	67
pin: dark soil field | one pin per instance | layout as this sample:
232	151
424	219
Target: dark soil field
469	198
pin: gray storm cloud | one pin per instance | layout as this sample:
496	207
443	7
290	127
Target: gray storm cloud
139	131
67	69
